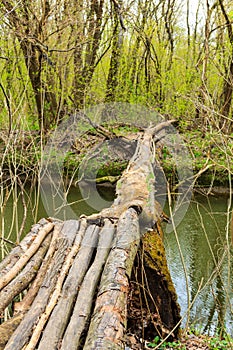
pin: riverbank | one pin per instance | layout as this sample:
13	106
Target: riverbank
210	156
22	157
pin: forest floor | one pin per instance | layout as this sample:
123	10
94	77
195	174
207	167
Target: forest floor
189	341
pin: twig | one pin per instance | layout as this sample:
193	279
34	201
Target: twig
24	209
8	107
7	241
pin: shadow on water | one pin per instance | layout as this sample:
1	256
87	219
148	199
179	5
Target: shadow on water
201	236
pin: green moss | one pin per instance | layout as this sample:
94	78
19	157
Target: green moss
156	256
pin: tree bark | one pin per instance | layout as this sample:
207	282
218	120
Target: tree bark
108	323
84	67
24	331
22	280
228	78
151	280
80	297
29	28
10	260
63	310
117	44
83	305
43	232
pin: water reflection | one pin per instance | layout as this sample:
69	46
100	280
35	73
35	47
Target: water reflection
202	238
12	213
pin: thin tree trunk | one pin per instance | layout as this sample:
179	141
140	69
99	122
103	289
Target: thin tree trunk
228	79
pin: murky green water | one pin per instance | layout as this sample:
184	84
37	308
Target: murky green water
201	240
204	285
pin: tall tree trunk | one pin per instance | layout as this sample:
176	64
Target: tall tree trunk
115	61
85	61
30	37
117	43
228	78
204	96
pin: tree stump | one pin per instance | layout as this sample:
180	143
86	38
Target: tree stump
79	280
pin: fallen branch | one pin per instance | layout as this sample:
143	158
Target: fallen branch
20	282
10	260
23	333
4	280
83	305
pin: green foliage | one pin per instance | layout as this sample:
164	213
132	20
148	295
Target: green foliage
213	343
218	344
176	82
149	71
123	130
165	345
113	168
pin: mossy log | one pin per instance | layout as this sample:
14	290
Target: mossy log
74	284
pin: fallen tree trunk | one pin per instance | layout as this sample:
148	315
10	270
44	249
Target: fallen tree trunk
108	322
82	295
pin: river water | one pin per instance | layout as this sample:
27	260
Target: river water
199	258
203	281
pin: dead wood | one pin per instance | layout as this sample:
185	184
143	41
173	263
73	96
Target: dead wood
10	260
137	184
84	302
153	299
8	328
42	233
57	291
25	304
161	300
24	331
21	281
62	311
108	320
79	271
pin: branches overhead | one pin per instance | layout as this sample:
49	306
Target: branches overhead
95	51
118	7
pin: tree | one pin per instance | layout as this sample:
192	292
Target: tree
29	28
38	30
117	44
226	97
86	58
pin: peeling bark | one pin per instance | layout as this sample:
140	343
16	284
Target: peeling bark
79	297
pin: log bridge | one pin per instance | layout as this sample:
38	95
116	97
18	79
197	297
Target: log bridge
100	282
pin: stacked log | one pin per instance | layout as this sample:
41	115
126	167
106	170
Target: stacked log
67	284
